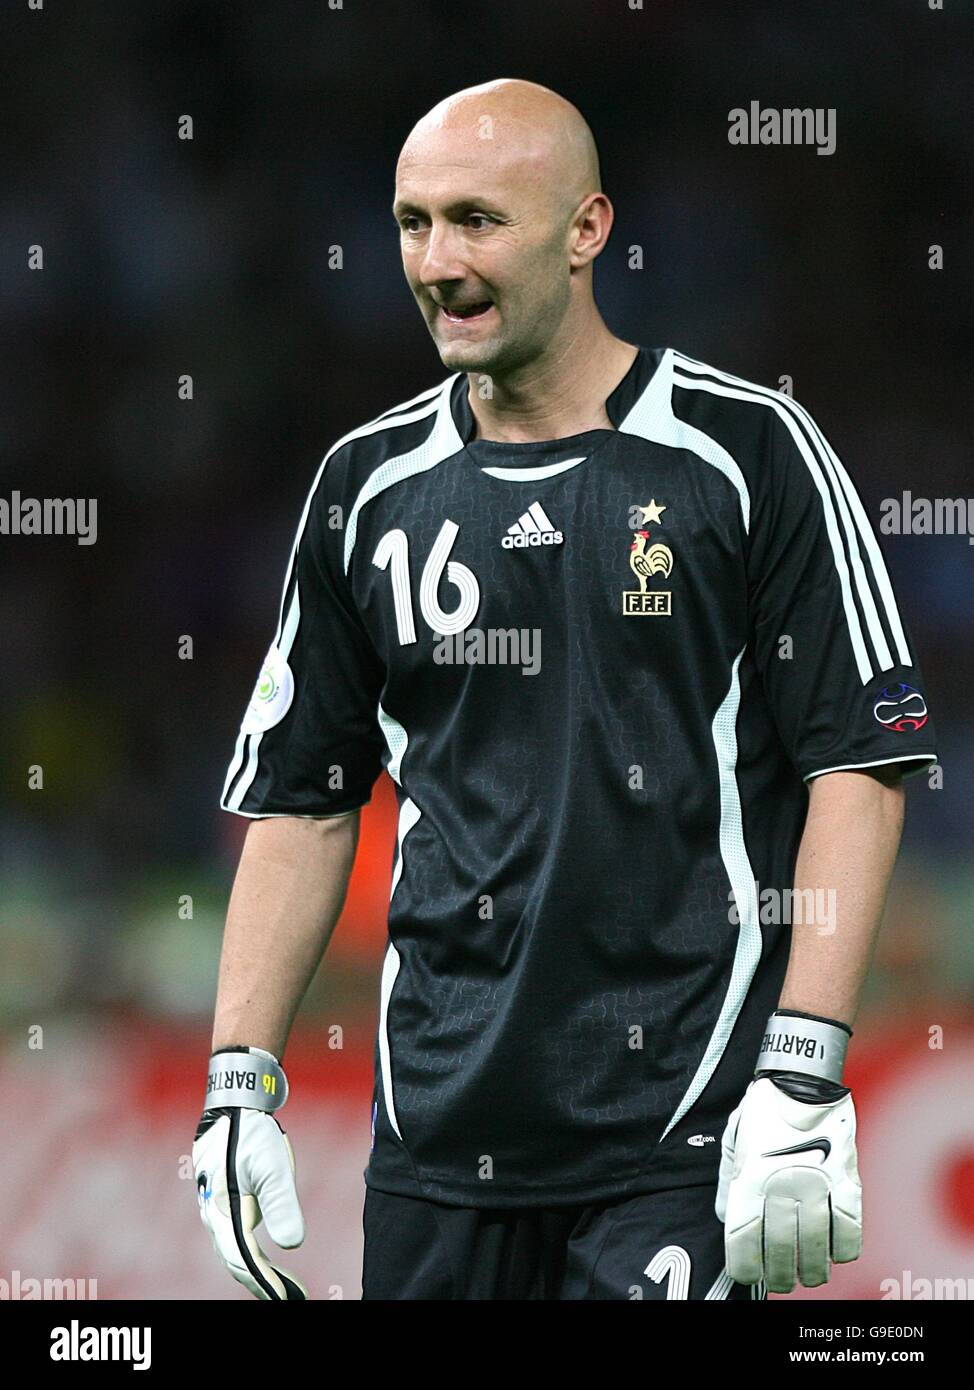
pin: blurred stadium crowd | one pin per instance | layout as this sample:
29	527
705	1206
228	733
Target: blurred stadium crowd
215	258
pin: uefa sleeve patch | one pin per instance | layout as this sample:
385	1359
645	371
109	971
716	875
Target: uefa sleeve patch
272	695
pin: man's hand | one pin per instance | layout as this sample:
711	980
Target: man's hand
789	1192
244	1167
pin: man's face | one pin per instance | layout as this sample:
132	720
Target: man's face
485	252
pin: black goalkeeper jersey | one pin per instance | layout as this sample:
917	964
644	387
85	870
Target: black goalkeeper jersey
600	671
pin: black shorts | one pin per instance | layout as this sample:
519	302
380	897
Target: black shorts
661	1245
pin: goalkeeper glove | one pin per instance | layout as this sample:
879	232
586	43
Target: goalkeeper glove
788	1192
244	1167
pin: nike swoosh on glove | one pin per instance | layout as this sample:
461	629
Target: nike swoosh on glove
244	1167
789	1193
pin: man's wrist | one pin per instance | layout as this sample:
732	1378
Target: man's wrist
804	1045
811	1089
244	1076
781	1011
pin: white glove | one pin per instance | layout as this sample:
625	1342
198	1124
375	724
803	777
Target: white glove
244	1167
788	1215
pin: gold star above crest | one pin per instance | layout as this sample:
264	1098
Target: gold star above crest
652	512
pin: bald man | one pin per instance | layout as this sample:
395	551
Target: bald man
616	626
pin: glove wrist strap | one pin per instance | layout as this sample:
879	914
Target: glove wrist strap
795	1042
245	1076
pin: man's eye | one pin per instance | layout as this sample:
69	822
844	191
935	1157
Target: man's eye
410	223
480	217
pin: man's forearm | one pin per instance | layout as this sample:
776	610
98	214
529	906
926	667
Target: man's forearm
287	896
849	846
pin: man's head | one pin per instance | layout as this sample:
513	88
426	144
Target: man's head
499	204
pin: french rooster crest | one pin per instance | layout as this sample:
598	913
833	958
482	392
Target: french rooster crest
658	559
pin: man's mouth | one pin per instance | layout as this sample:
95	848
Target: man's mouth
464	313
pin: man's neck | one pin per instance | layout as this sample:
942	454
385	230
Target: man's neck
563	394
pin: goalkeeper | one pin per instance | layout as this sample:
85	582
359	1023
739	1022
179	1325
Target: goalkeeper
593	1079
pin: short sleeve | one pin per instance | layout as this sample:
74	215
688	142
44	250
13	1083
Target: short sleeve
310	743
836	659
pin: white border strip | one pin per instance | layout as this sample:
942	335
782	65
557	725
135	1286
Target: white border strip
409	814
441	443
842	493
531	475
733	852
652	418
928	759
248	745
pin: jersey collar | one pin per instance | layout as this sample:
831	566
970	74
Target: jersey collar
617	405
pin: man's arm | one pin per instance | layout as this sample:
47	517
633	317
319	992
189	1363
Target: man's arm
288	893
789	1193
849	845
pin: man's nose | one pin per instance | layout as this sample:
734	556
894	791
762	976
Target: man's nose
441	260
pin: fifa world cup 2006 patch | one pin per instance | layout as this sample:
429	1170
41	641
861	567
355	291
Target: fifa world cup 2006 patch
272	695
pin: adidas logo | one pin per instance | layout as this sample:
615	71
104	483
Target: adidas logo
532	528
